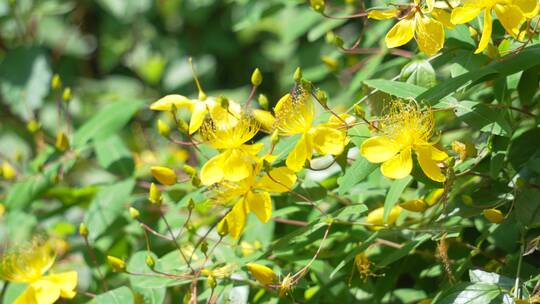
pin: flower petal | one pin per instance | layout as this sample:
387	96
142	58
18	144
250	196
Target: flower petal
166	103
260	204
443	17
510	17
300	153
45	292
237	166
426	155
265	118
400	34
378	149
212	171
328	140
528	7
464	14
66	281
236	219
281	179
429	35
197	116
486	32
398	166
27	297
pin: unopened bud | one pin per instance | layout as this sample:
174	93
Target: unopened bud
460	148
267	166
298	74
211	282
256	78
322	97
317	5
338	41
56	82
195	181
150	262
204	247
62	142
83	230
66	94
134	213
8	172
191	204
163	128
183	126
330	37
263	101
154	194
358	111
164	175
493	215
467	199
189	170
330	62
222	228
32	126
202	95
275	137
117	265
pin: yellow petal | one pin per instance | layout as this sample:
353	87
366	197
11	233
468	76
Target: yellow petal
378	149
417	205
429	35
300	153
45	292
486	32
225	117
260	204
197	116
465	14
27	297
65	281
236	219
528	7
383	14
281	179
428	164
434	196
328	140
252	149
430	5
212	171
443	17
166	103
400	34
262	274
237	166
510	17
398	166
164	175
265	118
493	215
376	217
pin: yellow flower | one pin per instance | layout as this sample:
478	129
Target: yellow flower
29	265
264	275
511	14
428	32
376	217
252	195
8	171
294	115
493	215
235	162
405	129
164	175
417	205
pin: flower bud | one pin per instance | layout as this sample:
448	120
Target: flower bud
376	217
195	181
204	247
223	102
358	111
434	196
263	101
298	74
66	94
317	5
265	118
322	97
56	82
62	142
117	265
211	282
493	215
32	126
330	37
338	41
164	175
264	275
275	137
2	210
191	204
460	148
189	170
134	213
163	128
150	262
202	95
8	172
183	126
222	228
467	199
330	62
256	78
154	194
83	230
417	205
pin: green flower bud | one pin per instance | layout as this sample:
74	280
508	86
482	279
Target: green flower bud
154	194
117	265
134	213
263	101
317	5
163	128
66	94
322	97
298	74
256	78
56	82
150	262
189	170
83	230
204	247
62	142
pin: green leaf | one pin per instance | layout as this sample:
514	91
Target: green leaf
149	295
357	172
483	118
122	295
476	293
395	191
125	10
403	251
352	211
396	88
420	73
480	276
113	155
13	291
365	244
528	208
528	85
521	149
106	122
106	206
170	263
